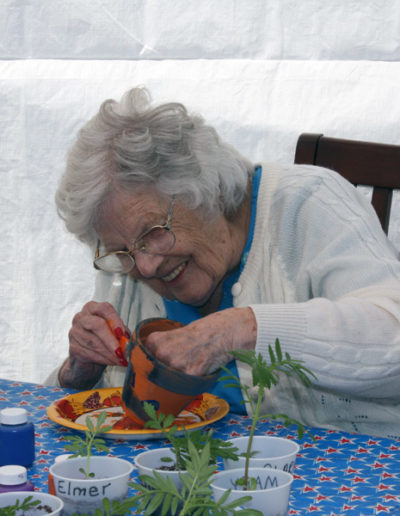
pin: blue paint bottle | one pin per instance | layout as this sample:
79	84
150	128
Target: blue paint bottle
17	437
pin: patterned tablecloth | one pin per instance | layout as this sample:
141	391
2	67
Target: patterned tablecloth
337	474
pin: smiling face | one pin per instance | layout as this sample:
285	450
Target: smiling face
204	251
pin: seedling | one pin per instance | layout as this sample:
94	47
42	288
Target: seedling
84	447
195	497
180	444
112	508
263	377
27	503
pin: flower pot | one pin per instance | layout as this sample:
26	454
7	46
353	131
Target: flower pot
271	496
150	460
83	496
269	452
49	505
149	380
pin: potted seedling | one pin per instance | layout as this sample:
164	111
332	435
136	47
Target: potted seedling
171	462
112	508
180	438
28	503
275	482
84	480
158	494
176	480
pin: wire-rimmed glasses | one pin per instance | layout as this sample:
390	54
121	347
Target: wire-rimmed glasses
157	240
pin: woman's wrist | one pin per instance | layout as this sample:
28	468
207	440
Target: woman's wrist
243	326
74	374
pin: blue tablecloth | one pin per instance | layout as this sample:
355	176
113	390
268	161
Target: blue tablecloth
337	474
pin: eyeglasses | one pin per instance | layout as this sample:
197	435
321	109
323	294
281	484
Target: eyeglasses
157	240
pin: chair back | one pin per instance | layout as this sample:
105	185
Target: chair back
362	163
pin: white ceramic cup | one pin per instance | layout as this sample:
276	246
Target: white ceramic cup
82	495
269	452
271	496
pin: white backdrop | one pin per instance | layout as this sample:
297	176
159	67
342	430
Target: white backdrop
261	71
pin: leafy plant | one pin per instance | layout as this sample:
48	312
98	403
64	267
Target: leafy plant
112	508
194	498
27	503
180	444
265	375
83	447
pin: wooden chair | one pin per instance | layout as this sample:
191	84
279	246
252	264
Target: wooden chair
361	163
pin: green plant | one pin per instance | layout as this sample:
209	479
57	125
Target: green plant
83	447
180	443
27	503
112	508
194	498
265	375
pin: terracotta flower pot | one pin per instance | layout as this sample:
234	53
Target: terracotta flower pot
148	379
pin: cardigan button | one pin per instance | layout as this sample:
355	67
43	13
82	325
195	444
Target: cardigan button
236	289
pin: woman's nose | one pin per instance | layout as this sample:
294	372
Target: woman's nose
147	264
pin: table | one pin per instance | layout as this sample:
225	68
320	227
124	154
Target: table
337	474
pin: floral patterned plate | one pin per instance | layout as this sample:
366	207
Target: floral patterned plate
71	411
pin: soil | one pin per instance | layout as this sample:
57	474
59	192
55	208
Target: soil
173	467
44	509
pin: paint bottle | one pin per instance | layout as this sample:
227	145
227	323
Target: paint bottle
14	478
17	437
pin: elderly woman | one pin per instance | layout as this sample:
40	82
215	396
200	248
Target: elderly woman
183	226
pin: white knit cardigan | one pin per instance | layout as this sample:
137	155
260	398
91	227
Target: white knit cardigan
323	278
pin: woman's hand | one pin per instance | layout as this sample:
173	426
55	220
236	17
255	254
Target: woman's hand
93	344
202	346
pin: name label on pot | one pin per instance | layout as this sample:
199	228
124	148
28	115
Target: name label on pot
262	483
289	466
71	489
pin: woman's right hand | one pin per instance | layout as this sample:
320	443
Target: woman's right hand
93	344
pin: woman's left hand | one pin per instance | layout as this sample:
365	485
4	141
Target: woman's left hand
203	346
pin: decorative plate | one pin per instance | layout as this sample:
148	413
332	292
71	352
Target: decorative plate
71	411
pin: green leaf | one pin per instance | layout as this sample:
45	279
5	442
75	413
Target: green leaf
107	504
101	447
278	350
166	504
150	410
232	385
167	459
101	419
105	429
155	503
89	424
271	355
169	420
174	505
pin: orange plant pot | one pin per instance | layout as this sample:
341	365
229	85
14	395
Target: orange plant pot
149	380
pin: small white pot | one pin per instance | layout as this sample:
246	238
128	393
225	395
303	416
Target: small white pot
271	496
269	452
83	496
51	503
150	460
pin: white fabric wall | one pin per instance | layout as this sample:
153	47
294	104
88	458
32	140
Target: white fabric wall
261	71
